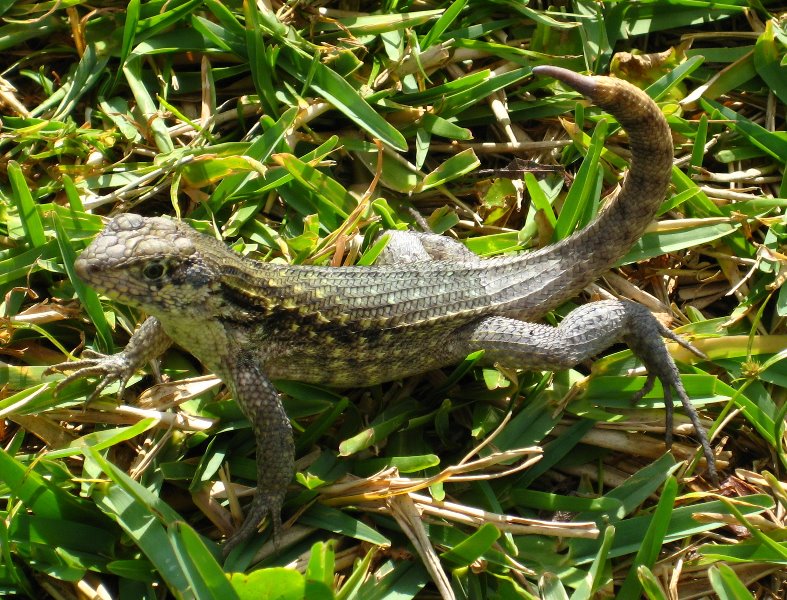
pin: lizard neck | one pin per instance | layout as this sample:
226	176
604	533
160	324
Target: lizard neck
253	290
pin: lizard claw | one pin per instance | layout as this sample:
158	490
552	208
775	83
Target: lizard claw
669	334
660	365
108	367
262	505
650	382
668	384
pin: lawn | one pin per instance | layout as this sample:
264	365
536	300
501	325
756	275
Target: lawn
297	132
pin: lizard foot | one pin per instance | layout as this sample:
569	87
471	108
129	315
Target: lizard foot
108	367
263	505
661	366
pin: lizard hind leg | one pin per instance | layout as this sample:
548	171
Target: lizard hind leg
583	333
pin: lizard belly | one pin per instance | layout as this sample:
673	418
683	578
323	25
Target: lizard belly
361	359
332	357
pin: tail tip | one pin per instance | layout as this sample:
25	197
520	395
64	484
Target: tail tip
582	83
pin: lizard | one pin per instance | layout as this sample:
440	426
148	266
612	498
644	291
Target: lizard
426	304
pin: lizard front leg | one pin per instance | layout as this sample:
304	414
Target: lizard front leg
254	393
260	402
148	342
585	332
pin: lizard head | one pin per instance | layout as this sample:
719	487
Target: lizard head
152	263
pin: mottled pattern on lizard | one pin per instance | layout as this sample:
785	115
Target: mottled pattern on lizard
428	304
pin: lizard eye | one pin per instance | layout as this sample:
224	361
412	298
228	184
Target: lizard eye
154	271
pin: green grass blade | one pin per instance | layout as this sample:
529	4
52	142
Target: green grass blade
650	584
651	544
145	518
335	89
133	74
443	23
727	585
593	581
87	296
28	211
579	203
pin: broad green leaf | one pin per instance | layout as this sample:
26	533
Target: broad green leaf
276	583
473	547
330	519
456	166
319	572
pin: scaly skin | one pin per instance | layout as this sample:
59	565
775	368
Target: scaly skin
250	321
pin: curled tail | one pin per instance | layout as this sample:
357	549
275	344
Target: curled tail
598	246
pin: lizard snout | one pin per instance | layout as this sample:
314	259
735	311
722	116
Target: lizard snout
83	269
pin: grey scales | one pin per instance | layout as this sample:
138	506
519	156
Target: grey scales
427	304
